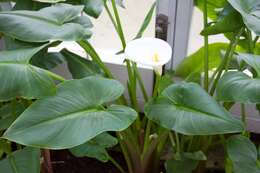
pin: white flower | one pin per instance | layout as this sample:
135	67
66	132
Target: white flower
152	52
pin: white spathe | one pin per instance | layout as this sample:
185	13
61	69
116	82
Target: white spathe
149	51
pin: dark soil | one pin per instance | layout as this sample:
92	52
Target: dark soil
64	162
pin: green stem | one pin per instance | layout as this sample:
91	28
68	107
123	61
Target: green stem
110	15
225	62
147	136
125	153
255	40
117	165
119	26
95	57
55	76
157	84
141	83
206	43
177	142
250	41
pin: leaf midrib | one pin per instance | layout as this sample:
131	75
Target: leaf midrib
60	118
33	17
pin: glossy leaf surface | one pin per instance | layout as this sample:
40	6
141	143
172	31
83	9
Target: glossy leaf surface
243	154
250	10
80	67
188	109
22	161
9	112
238	87
20	79
96	148
73	116
50	23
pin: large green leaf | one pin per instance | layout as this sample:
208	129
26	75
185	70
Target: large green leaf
195	62
252	60
73	116
238	87
188	109
9	112
250	10
228	21
243	154
20	79
80	67
50	23
96	148
26	160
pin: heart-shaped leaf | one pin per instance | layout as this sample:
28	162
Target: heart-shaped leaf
22	161
238	87
20	79
96	148
50	23
250	10
73	116
188	109
243	154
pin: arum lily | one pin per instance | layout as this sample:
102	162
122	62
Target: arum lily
151	52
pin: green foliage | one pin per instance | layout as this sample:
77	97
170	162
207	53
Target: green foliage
250	11
243	154
238	87
73	116
80	67
52	23
22	161
181	108
9	112
229	20
180	165
252	60
195	62
213	7
21	79
96	148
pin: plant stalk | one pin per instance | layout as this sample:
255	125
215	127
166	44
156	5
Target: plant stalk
206	48
225	62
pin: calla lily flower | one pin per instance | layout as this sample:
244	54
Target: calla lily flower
151	52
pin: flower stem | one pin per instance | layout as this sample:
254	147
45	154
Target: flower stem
157	84
206	43
119	26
